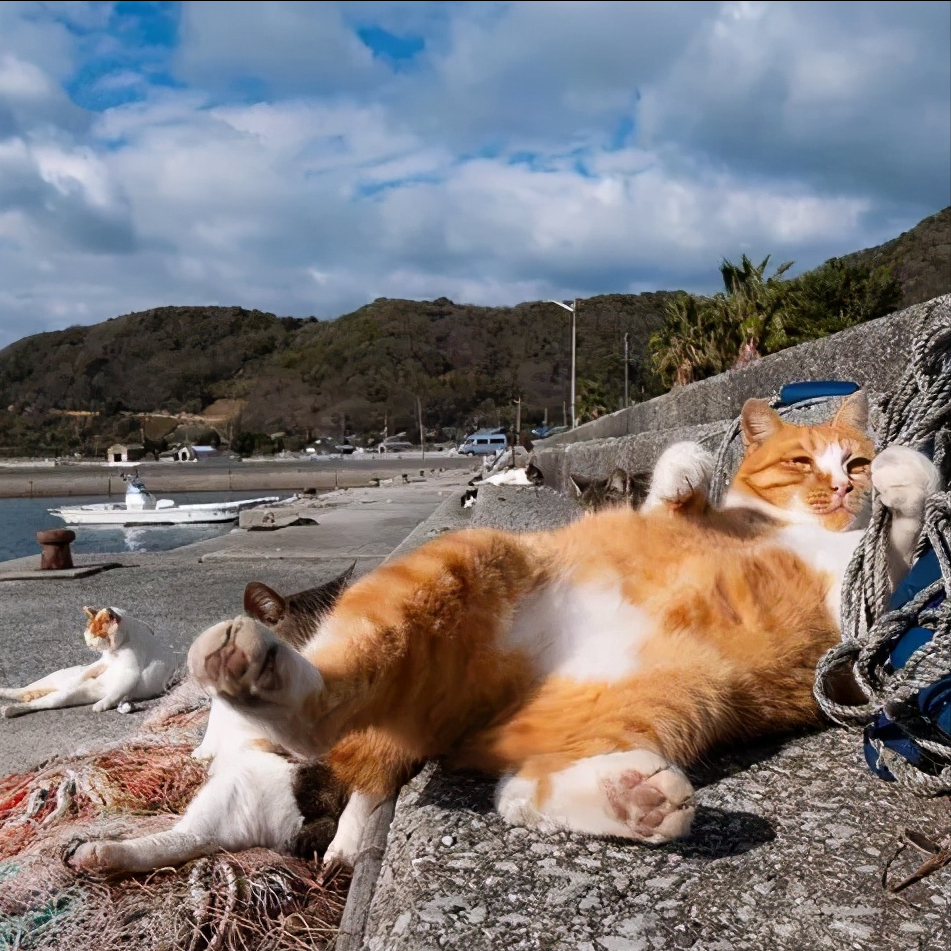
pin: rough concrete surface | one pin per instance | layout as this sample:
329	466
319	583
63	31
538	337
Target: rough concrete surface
180	593
786	854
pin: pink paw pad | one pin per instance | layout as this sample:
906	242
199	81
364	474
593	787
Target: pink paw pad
657	808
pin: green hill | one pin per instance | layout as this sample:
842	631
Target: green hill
75	390
919	258
306	377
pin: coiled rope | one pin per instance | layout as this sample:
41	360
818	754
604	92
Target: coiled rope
916	414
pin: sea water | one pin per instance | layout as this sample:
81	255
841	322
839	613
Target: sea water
21	519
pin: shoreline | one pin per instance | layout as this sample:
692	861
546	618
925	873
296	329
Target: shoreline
104	479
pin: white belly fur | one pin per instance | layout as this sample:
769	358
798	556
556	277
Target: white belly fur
583	631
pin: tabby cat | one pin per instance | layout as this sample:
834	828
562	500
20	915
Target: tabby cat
589	665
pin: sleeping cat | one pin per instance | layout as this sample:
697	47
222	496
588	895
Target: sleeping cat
134	666
256	794
585	666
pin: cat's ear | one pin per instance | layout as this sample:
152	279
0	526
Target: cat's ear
854	412
332	590
89	612
758	421
264	603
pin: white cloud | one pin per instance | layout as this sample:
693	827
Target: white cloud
531	150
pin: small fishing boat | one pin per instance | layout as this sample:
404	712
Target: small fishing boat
141	507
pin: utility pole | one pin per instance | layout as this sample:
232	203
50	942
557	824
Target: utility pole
627	367
422	434
573	310
574	350
518	427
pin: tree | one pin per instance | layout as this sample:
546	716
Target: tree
756	307
839	295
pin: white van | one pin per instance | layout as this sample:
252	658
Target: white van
484	444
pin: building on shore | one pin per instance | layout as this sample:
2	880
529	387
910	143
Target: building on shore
125	452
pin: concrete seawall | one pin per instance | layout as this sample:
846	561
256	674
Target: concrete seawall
23	481
874	355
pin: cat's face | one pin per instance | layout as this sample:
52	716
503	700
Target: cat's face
819	472
102	628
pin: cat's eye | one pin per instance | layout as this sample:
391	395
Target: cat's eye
804	461
857	464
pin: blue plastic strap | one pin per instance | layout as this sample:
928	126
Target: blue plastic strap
814	389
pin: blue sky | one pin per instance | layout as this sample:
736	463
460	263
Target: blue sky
305	158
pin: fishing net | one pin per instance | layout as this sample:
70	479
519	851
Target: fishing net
256	899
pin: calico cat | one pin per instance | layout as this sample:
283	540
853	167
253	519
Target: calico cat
256	793
588	665
133	665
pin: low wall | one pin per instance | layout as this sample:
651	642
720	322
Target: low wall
874	355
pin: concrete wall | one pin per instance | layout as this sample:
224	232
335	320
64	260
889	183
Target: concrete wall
875	355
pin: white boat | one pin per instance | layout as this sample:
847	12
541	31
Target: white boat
140	507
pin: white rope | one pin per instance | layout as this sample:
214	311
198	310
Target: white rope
916	414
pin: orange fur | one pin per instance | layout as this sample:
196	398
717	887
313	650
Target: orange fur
780	463
590	661
415	662
29	695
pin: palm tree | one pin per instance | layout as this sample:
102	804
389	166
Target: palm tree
692	344
756	307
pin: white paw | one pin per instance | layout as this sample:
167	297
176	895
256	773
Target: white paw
634	795
95	857
515	803
904	478
343	849
683	472
203	754
651	797
100	706
126	707
240	660
14	710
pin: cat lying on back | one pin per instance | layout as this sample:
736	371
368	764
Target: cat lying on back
585	666
134	665
256	794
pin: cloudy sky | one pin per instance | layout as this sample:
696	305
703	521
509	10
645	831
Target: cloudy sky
305	158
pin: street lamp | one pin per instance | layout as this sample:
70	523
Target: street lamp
573	310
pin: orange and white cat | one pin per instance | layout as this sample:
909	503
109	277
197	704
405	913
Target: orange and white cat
134	665
589	665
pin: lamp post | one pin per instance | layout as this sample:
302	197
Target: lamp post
573	310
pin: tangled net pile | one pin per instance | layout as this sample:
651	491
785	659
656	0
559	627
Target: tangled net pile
254	899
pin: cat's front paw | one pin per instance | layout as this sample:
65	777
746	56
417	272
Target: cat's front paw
241	661
681	478
97	857
904	478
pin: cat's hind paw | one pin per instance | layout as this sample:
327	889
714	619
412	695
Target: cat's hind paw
633	795
12	710
904	478
653	799
681	479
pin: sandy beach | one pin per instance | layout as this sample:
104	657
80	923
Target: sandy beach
23	480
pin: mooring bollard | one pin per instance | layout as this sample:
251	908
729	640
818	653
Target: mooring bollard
55	554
